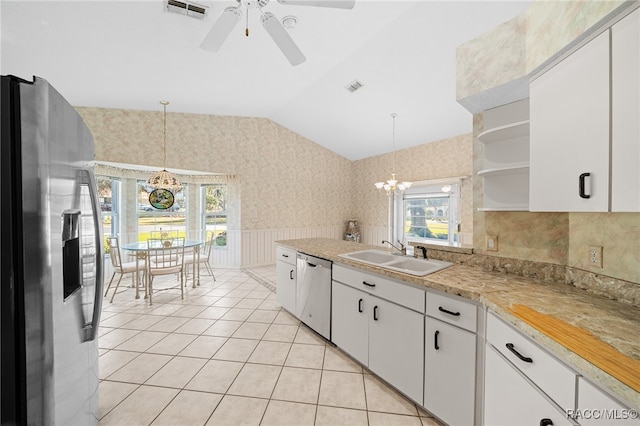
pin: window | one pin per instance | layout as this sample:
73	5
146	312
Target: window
151	219
109	195
428	213
214	212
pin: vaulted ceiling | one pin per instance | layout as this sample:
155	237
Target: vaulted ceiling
132	54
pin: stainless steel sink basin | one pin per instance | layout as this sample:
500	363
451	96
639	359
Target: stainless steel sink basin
404	264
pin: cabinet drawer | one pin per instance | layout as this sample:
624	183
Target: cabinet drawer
404	295
286	255
548	373
453	310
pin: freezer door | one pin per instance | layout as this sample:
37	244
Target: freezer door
62	259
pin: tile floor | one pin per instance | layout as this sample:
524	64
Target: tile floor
229	355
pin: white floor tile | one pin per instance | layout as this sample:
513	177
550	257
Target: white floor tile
229	354
238	410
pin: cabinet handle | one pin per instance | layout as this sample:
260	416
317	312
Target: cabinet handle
285	255
455	314
546	422
435	340
375	313
368	284
581	185
360	305
291	274
518	354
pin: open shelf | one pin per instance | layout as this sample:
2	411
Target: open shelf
505	165
512	169
506	132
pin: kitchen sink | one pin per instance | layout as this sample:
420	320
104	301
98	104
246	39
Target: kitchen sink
404	264
374	257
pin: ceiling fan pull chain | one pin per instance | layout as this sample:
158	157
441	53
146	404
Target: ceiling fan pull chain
246	30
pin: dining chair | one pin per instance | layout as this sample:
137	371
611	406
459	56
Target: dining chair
165	256
121	268
192	258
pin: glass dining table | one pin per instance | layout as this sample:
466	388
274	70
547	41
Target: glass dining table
140	248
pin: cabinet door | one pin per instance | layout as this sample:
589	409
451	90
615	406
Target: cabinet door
625	110
450	372
597	408
396	346
286	285
349	320
569	107
510	400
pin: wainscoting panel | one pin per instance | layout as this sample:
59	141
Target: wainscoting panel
374	234
258	245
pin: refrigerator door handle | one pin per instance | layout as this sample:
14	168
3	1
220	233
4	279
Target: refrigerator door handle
86	177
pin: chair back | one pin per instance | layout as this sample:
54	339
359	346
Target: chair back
164	253
164	234
208	244
114	252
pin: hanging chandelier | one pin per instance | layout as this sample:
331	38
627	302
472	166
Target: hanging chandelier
392	186
164	179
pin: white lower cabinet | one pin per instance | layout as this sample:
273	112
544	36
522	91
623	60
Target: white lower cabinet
349	322
286	279
386	337
510	399
396	346
450	372
597	408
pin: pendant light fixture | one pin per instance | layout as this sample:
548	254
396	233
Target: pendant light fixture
392	185
164	179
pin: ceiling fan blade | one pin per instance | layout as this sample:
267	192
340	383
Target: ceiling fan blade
338	4
282	39
221	29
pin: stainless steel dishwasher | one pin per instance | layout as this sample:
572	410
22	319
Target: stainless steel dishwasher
313	293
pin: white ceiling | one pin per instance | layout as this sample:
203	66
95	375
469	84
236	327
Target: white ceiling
132	54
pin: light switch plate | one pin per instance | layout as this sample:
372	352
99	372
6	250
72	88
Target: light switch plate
492	243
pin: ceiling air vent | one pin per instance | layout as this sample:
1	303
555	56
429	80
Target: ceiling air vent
187	8
354	85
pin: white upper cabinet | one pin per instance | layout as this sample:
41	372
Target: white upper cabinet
584	150
570	132
625	68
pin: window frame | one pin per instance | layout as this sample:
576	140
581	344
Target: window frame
205	215
424	190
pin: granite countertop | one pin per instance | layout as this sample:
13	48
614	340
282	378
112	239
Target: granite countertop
612	323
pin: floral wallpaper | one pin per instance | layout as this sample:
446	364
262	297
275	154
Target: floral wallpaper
286	181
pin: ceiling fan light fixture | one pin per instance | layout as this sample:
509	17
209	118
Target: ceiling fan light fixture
289	22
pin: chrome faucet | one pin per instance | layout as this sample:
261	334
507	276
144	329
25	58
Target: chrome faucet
402	248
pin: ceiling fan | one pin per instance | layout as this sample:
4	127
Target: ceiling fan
231	15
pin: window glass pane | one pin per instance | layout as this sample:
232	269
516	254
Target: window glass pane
214	216
428	213
152	221
427	217
109	196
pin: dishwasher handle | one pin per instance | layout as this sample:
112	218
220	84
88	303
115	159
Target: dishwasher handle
313	265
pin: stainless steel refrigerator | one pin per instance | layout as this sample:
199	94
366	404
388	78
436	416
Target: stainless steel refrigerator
51	259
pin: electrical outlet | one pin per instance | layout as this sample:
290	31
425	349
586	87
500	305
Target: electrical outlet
492	243
595	257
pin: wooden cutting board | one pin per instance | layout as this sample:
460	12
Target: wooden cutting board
585	344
